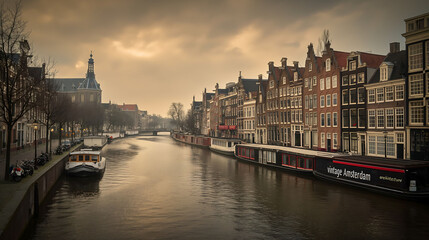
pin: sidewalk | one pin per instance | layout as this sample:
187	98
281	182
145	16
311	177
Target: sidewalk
26	153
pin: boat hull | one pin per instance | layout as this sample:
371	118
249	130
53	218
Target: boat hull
85	171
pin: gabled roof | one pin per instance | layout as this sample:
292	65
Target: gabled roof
399	60
128	107
68	84
371	60
341	58
249	85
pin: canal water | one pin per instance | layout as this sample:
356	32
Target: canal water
156	188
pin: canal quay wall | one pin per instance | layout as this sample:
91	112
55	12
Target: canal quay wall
22	200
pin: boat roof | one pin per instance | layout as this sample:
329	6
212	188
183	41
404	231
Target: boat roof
228	139
85	152
299	151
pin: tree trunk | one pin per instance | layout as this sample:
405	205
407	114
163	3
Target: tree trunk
8	145
48	137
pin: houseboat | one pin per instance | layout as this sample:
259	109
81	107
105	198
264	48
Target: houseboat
224	145
201	141
85	163
406	178
294	159
95	142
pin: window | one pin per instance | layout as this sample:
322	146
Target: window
427	51
328	100
353	117
322	140
390	121
335	140
322	119
284	80
271	84
315	100
371	118
361	117
380	94
345	118
334	99
306	82
345	97
345	80
314	81
389	93
371	96
361	95
306	102
346	142
322	84
427	81
314	119
400	137
380	118
295	76
399	92
310	67
416	112
328	83
361	77
371	143
399	116
334	81
328	119
328	64
415	56
383	73
416	84
314	134
353	97
322	101
334	119
352	65
352	79
380	145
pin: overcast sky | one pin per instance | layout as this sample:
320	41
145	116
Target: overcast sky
153	53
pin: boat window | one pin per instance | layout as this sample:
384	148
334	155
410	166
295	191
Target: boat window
309	163
301	162
94	158
86	157
80	158
292	160
229	144
73	158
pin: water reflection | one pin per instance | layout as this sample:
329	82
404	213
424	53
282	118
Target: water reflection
155	188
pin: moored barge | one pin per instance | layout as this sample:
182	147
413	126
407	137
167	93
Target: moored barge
224	146
201	141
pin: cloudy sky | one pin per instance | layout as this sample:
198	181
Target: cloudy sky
156	52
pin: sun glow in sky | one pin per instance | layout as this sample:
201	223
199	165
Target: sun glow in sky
153	53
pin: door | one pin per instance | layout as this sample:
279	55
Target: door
400	151
362	144
328	144
297	139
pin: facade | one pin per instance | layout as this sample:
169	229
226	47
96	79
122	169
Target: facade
197	113
205	118
248	132
329	92
261	111
386	107
246	92
358	69
133	111
228	112
417	47
295	106
312	69
273	104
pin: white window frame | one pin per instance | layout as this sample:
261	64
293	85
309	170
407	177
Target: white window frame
334	81
328	83
328	103
322	84
398	91
392	92
371	113
379	96
328	64
334	96
335	122
399	113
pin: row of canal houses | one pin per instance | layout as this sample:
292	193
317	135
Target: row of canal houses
356	102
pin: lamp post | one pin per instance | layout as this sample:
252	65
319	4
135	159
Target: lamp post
35	127
385	144
50	141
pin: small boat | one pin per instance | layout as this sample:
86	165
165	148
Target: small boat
196	140
224	145
85	162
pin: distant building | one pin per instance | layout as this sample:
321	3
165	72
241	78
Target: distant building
81	90
133	111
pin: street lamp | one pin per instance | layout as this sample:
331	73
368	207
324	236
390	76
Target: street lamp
35	127
385	144
50	141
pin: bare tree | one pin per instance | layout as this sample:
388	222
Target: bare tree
176	113
17	88
190	122
322	42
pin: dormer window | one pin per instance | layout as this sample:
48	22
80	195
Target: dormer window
310	67
295	76
383	73
352	65
328	64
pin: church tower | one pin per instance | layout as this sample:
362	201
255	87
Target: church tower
89	90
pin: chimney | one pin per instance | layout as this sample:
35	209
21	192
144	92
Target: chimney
260	77
310	49
395	47
284	62
295	64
